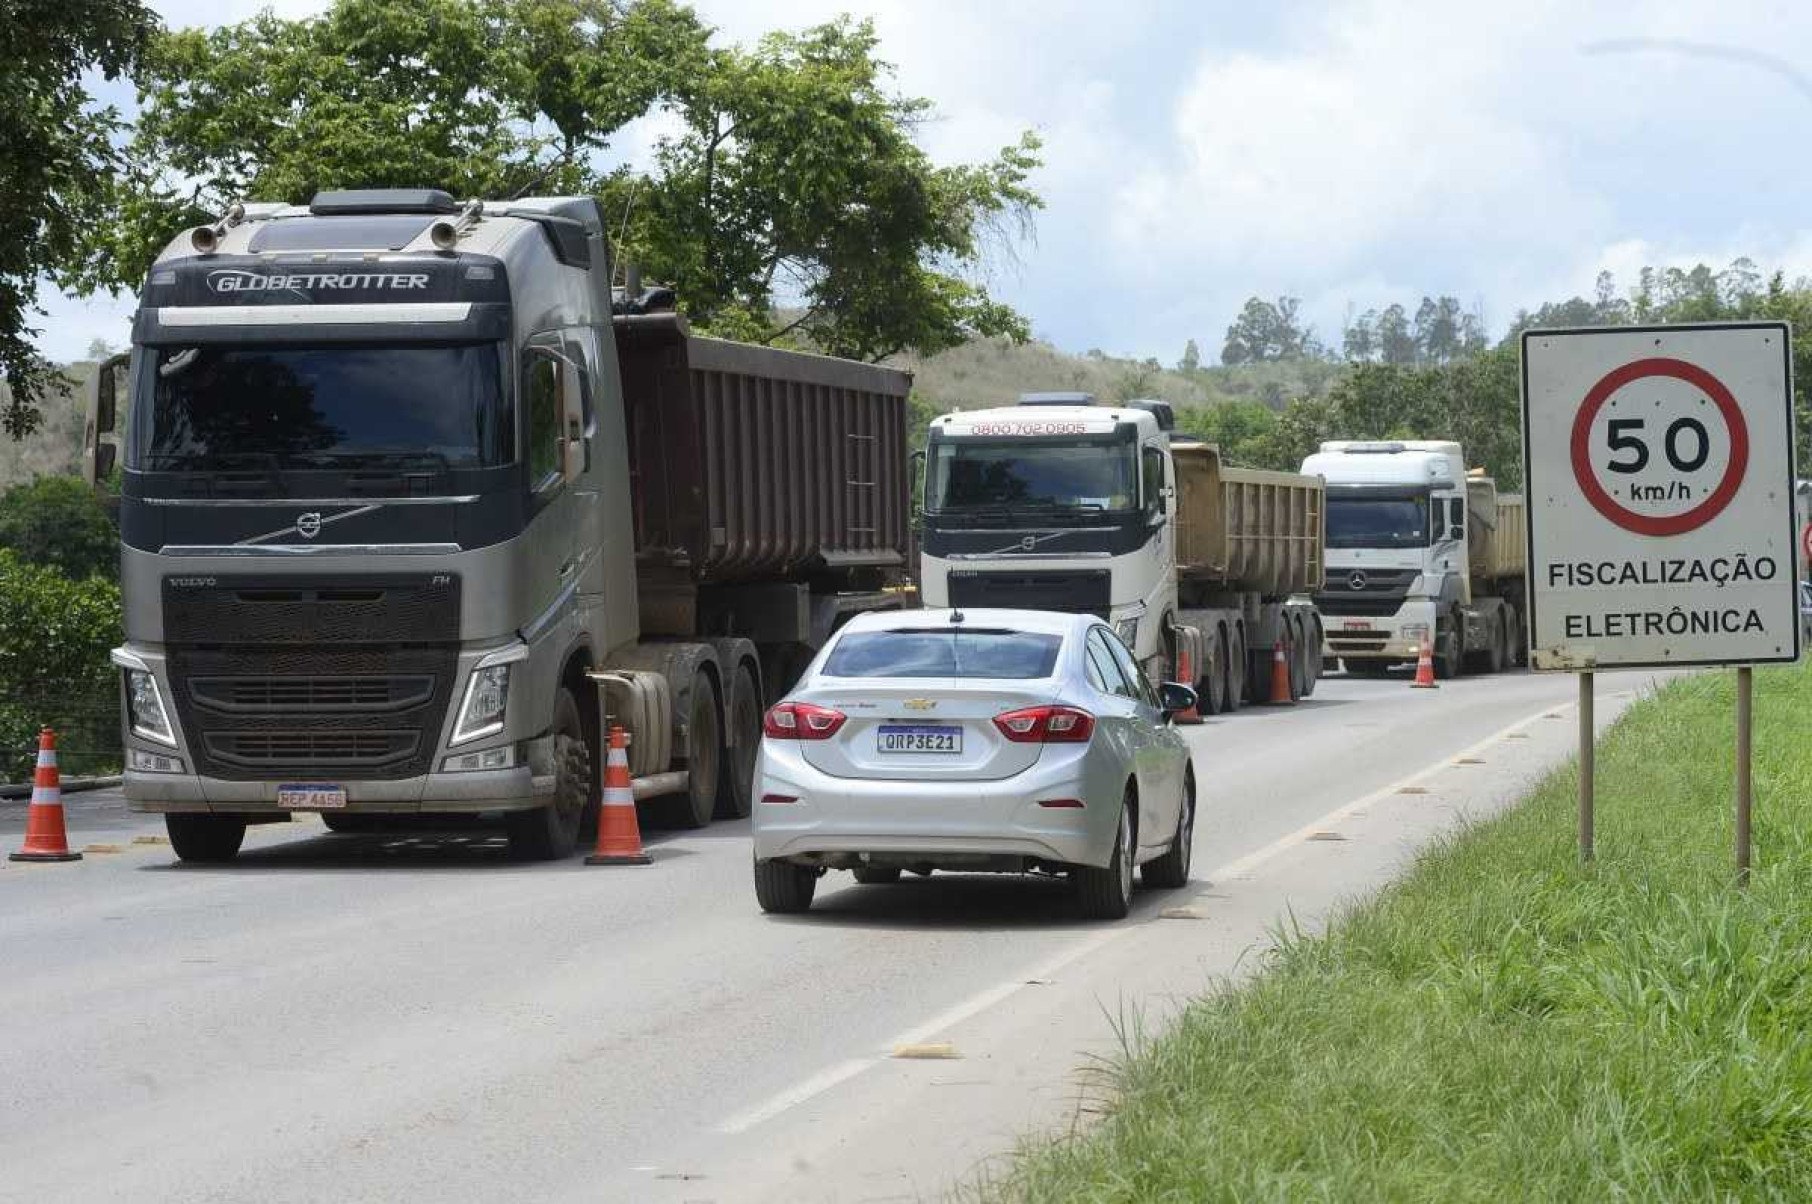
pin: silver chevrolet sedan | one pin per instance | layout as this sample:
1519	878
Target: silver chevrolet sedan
992	740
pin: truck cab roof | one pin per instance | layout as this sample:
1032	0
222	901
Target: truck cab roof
1425	463
1043	420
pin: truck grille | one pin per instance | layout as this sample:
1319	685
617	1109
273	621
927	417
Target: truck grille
1089	592
1364	593
311	750
279	676
251	695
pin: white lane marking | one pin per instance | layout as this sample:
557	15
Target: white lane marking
842	1072
1251	861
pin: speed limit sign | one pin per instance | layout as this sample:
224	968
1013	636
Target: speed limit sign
1660	479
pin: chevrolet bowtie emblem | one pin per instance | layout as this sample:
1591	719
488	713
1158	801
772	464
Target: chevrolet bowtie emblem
919	704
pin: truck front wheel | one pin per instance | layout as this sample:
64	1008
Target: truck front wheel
212	838
551	832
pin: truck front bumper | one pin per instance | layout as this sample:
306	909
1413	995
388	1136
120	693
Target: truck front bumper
1392	638
483	790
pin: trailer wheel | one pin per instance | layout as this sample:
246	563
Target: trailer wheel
1236	669
1214	696
551	832
1312	626
736	790
1299	658
704	756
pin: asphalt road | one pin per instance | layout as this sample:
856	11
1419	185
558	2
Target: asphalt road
419	1018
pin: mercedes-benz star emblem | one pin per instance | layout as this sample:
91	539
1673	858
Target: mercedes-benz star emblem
309	525
1356	581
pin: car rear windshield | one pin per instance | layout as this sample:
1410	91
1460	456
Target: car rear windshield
959	653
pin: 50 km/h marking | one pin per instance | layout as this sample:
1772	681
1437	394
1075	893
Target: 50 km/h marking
1685	445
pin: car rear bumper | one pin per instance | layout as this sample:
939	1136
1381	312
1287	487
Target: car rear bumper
938	823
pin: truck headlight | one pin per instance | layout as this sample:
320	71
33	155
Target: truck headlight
145	712
487	696
1415	633
1128	631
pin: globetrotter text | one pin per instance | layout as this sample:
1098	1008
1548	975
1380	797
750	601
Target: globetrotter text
1583	574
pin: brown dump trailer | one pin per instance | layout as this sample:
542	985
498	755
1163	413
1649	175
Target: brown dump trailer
1249	549
769	488
1497	547
1244	528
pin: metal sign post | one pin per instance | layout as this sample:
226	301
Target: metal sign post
1745	762
1588	747
1658	464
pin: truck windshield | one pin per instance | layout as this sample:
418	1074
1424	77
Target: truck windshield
1021	475
1381	522
322	408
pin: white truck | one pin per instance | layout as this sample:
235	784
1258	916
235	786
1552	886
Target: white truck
1059	503
1420	553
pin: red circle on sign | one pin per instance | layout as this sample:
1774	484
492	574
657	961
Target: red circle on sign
1650	524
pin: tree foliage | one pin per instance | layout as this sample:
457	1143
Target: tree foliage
54	637
56	158
58	522
793	179
1269	332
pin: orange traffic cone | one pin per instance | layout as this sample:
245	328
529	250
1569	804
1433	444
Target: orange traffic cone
1424	670
45	839
1186	675
1280	675
619	836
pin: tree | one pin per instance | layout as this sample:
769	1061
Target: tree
797	176
486	98
58	523
1359	342
56	158
1396	342
795	181
1266	332
1192	358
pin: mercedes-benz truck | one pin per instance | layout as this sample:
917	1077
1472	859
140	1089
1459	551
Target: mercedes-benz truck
1421	554
412	505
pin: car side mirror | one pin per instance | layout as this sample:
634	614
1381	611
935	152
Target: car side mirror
1174	698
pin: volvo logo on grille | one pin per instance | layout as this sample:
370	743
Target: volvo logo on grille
309	525
1028	543
1356	581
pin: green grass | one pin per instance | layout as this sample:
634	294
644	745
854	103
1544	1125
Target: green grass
1505	1024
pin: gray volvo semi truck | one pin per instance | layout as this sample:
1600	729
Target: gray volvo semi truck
412	504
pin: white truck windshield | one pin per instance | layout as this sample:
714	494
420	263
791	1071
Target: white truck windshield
981	475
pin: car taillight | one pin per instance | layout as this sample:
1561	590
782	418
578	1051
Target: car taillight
1046	725
801	721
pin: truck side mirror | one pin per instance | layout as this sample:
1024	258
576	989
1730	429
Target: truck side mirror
105	456
1457	531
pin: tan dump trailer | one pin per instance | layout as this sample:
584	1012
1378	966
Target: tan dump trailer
1497	559
1248	552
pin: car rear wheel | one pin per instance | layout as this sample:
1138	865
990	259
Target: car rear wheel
1172	869
210	838
1106	893
878	875
783	888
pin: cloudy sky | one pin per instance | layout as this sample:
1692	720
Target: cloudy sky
1202	151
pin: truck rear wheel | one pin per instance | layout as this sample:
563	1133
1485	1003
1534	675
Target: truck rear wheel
704	756
736	789
1236	670
551	832
1213	686
207	838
